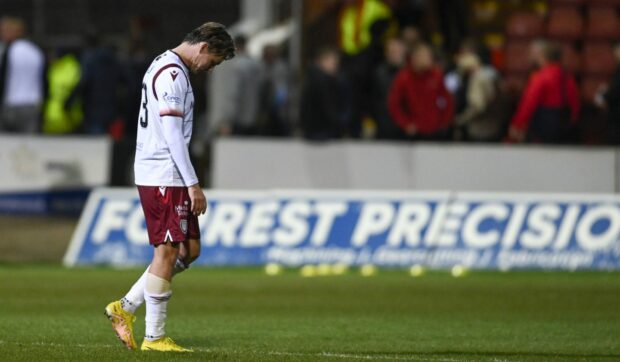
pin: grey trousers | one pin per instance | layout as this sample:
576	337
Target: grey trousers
20	119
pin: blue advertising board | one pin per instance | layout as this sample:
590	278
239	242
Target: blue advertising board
391	229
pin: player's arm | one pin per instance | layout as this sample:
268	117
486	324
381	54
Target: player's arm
173	133
171	93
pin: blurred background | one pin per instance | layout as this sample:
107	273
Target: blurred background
451	95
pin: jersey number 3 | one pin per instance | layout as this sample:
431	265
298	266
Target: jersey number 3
144	116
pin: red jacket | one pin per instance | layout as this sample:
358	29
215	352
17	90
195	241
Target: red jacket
544	89
421	99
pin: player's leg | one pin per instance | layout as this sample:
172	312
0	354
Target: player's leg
157	290
121	312
135	296
157	293
189	251
164	258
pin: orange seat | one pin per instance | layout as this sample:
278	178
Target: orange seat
598	58
517	57
524	25
565	22
603	22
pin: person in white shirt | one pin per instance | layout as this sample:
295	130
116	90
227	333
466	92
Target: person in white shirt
22	67
169	191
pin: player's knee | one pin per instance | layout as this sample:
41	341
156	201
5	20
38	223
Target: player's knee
167	253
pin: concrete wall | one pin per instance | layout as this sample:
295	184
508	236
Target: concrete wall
268	164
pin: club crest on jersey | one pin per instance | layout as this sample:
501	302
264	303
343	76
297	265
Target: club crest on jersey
184	226
174	75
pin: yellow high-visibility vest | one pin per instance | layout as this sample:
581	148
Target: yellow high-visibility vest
355	22
63	76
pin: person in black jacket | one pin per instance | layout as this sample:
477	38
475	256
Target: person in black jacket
322	105
102	79
395	55
609	97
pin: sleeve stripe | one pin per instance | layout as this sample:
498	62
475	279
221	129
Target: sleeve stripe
170	112
171	65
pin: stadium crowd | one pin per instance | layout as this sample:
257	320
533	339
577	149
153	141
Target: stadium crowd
385	78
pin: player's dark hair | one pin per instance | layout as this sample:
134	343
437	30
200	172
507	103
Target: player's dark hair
214	34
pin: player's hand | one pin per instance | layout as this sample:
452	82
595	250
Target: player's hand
198	199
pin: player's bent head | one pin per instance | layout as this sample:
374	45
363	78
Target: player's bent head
215	38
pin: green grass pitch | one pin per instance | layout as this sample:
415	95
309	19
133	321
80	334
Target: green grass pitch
52	313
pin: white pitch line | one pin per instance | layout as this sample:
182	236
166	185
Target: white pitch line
273	353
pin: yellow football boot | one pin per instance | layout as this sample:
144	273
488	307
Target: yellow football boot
164	344
122	323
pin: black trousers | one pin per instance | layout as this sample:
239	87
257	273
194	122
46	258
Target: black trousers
549	125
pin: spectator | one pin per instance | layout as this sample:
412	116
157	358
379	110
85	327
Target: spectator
322	108
477	121
359	71
550	101
356	18
452	16
395	56
234	94
275	94
98	88
22	72
411	37
62	78
419	101
456	80
609	97
134	66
